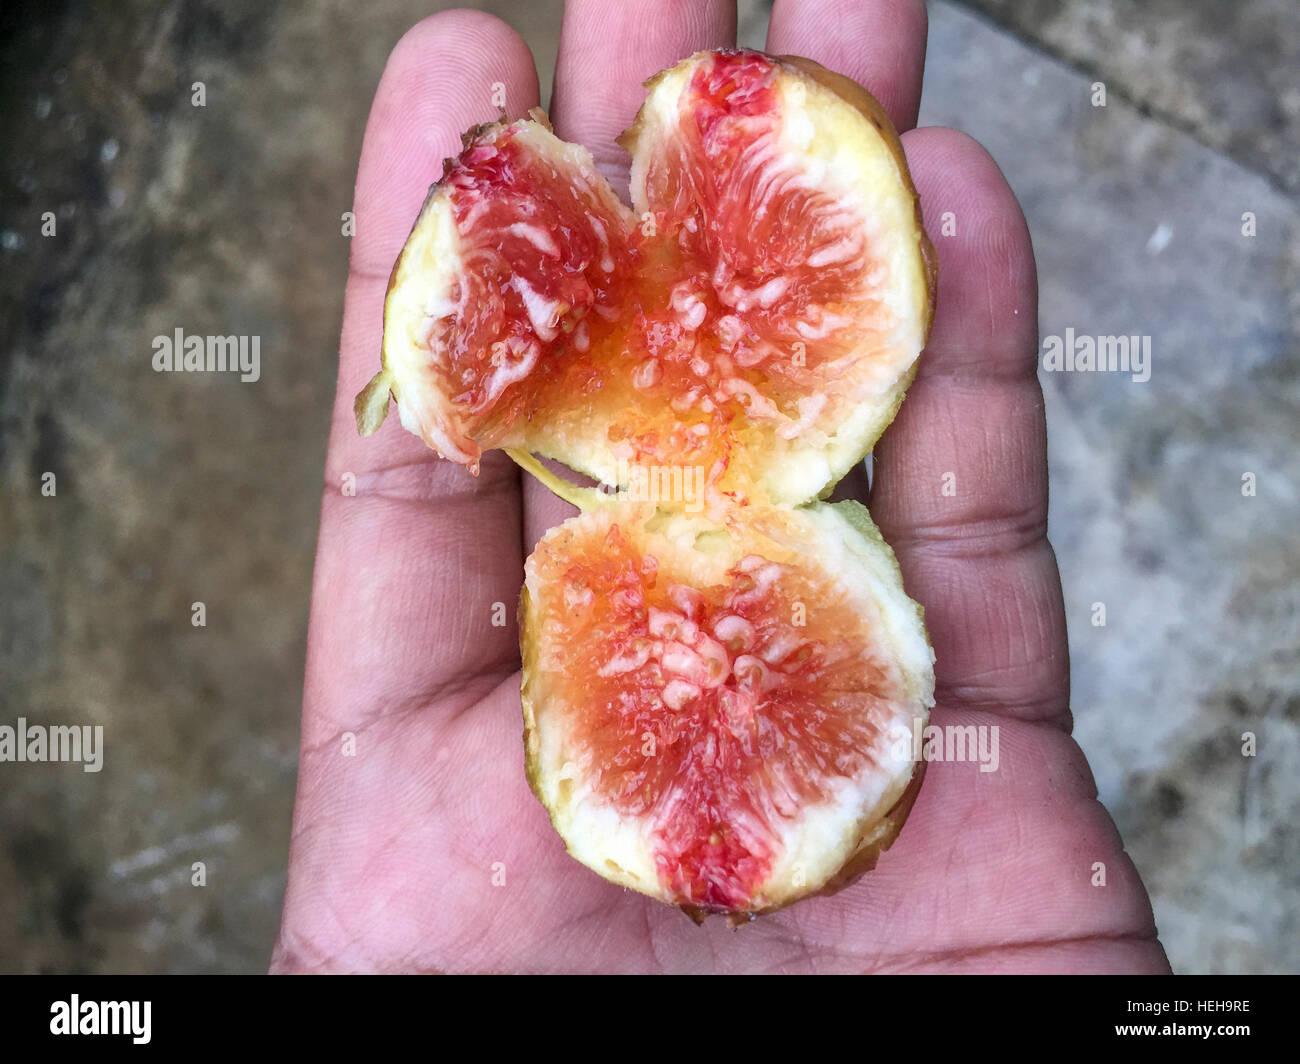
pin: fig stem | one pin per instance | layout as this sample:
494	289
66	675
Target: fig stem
371	405
583	498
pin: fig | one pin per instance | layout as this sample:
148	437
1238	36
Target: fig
721	674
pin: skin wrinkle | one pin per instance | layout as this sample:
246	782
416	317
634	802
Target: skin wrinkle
389	712
321	957
366	487
427	701
970	696
509	673
616	47
969	370
454	818
441	687
947	956
356	273
1019	533
650	935
881	964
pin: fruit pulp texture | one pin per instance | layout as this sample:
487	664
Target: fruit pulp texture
717	714
724	307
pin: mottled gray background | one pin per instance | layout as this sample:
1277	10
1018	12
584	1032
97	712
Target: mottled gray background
173	489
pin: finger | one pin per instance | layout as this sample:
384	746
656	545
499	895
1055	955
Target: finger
960	487
606	52
880	44
414	553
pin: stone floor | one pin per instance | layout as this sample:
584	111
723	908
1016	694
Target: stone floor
176	490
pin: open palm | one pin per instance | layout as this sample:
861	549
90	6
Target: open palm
417	845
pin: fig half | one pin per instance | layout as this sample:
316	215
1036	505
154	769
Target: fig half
757	313
722	717
722	678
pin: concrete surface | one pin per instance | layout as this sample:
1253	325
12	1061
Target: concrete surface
179	489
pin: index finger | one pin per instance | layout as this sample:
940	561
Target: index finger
413	551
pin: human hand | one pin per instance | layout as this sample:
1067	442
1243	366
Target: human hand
426	851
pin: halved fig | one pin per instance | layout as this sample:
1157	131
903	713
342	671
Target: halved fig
722	716
721	685
756	314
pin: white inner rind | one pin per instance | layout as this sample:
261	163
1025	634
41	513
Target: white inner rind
810	847
420	287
